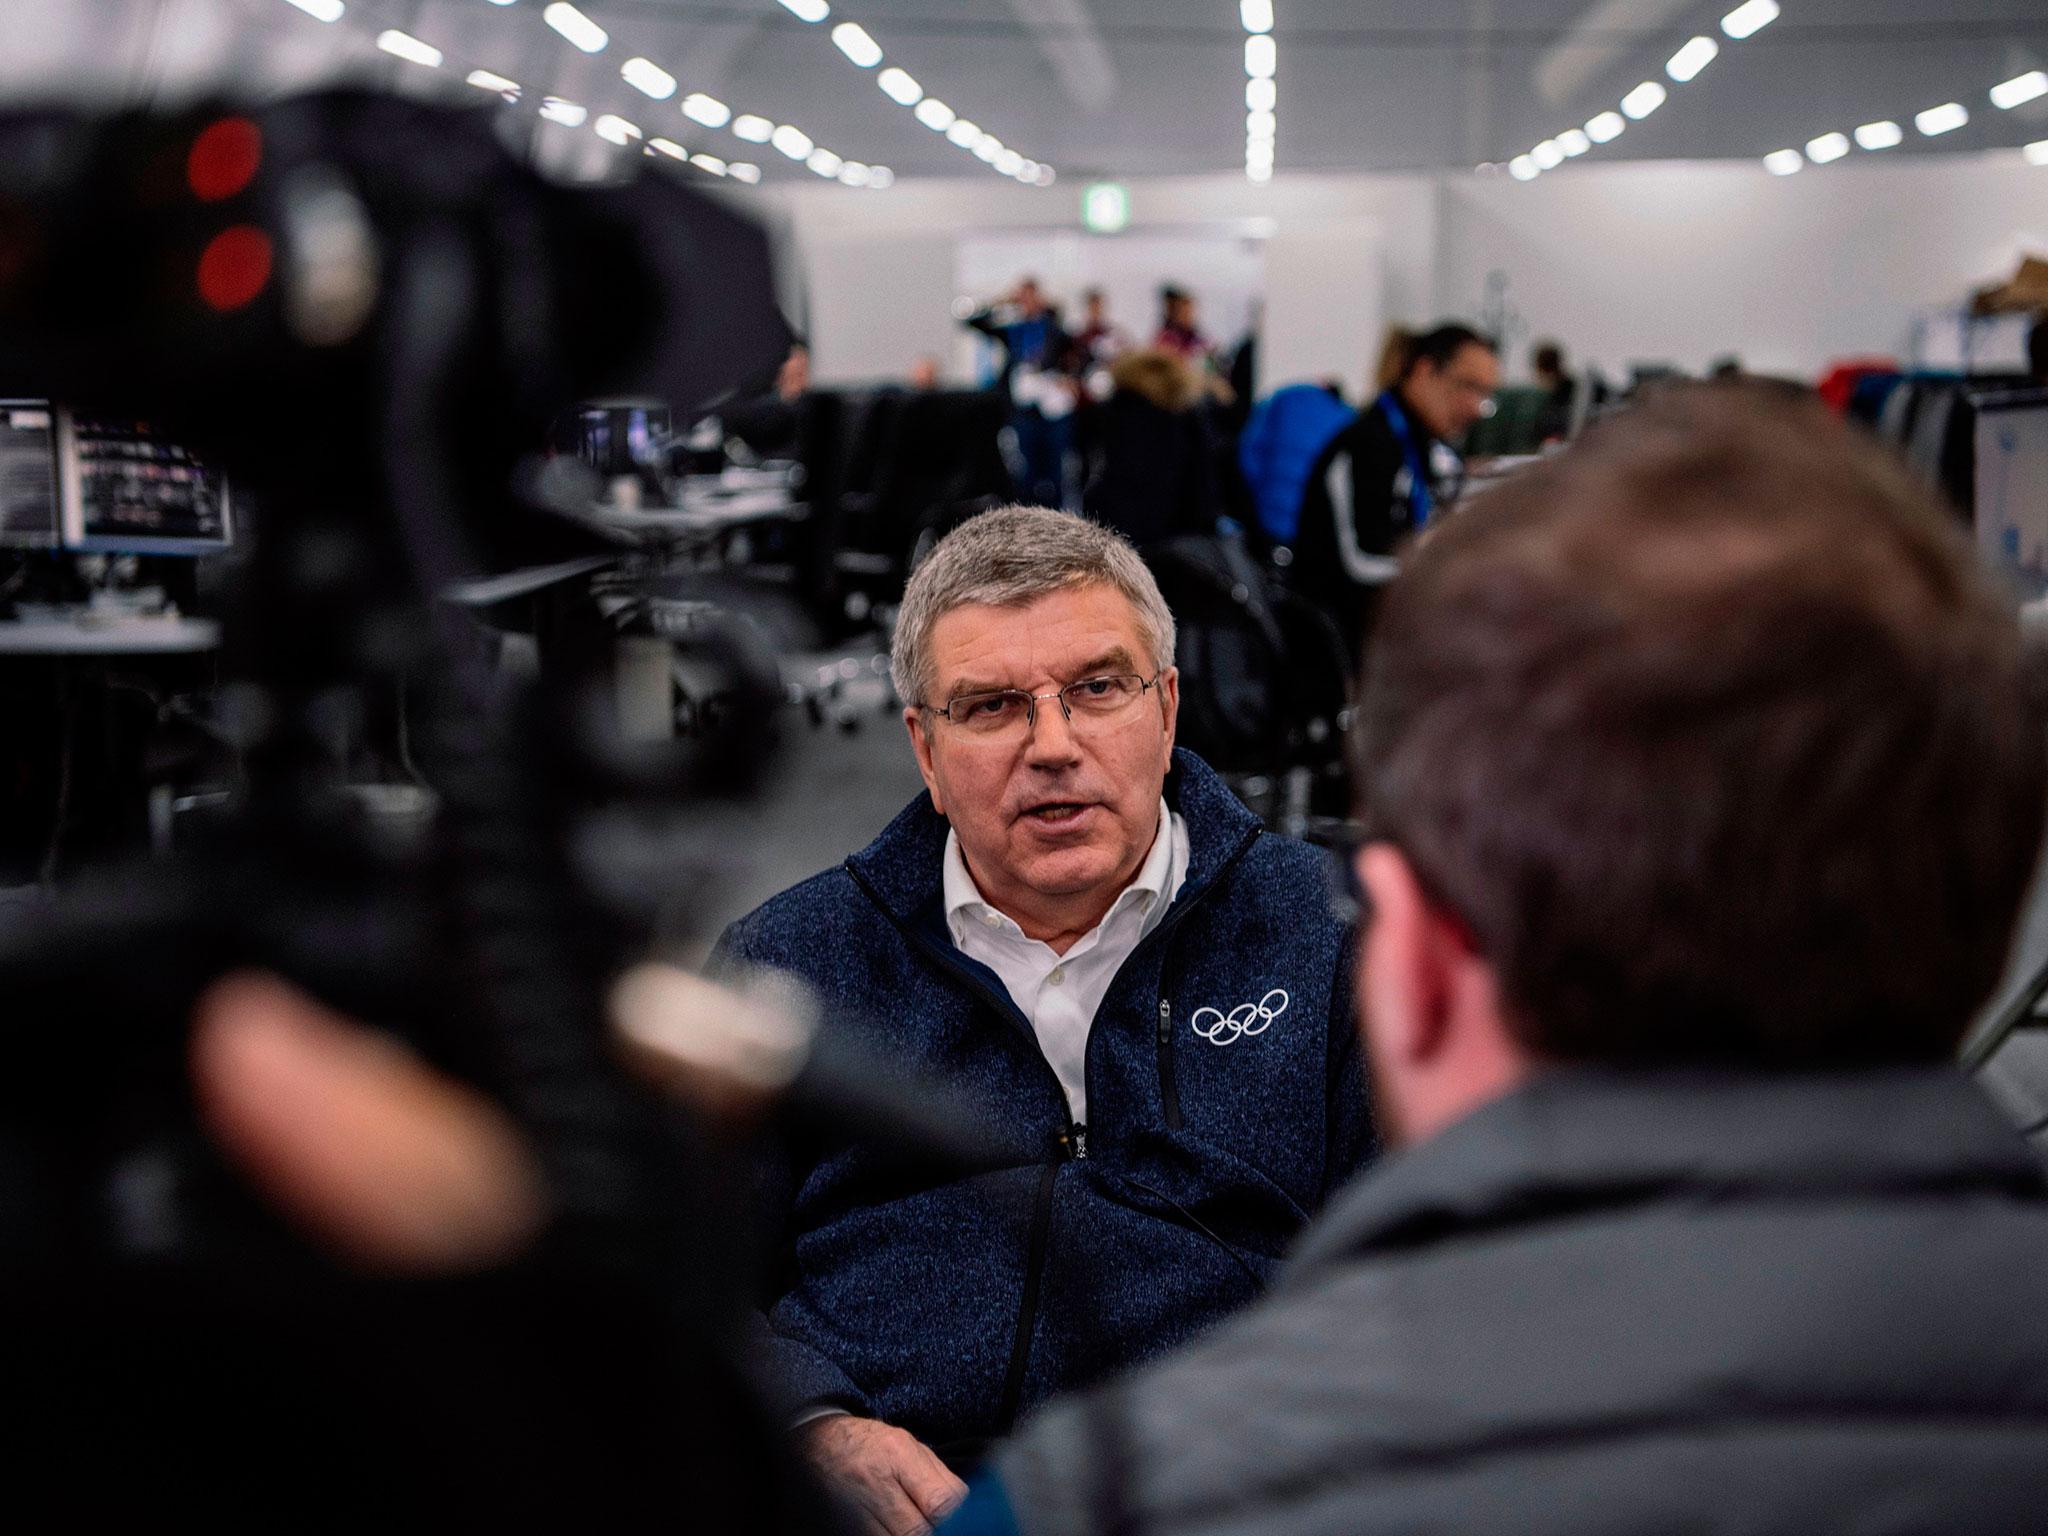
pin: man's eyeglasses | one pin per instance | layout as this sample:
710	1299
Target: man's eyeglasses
1092	702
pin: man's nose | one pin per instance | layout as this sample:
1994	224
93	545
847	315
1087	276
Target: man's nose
1052	736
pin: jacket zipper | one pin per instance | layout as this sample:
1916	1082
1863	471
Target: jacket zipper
1169	1090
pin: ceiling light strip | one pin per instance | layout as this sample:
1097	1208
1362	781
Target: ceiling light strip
1683	67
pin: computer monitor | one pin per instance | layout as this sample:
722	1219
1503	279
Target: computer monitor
125	490
28	474
2011	489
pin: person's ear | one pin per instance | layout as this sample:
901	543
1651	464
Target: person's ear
1407	969
1169	703
921	744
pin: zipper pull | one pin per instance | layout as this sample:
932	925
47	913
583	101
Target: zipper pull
1077	1140
1165	1021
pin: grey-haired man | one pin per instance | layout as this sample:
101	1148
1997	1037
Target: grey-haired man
1086	932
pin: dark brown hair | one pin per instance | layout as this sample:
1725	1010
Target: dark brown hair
1715	736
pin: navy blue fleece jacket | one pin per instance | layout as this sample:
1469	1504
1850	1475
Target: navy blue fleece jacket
947	1303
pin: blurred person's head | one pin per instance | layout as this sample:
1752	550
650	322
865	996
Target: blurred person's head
1177	308
1030	297
1447	377
793	378
1095	307
1546	361
1055	802
1705	742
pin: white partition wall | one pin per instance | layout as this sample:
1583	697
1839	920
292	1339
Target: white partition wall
1325	305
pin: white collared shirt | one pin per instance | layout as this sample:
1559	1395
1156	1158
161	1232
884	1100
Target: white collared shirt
1060	993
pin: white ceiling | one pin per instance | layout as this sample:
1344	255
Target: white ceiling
1121	87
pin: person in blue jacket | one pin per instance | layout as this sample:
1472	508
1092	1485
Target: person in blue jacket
1082	930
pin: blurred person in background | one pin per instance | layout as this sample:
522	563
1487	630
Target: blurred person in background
1083	930
1034	374
1178	332
1701	782
1560	392
1156	460
1384	477
770	421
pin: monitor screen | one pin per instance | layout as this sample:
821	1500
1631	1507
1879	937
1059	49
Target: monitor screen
125	490
28	474
2011	512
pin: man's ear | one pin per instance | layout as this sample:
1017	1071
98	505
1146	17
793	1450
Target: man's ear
921	744
1169	703
1408	964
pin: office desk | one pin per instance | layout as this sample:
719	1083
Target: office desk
110	637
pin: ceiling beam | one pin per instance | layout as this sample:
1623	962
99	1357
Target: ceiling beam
1598	41
1072	43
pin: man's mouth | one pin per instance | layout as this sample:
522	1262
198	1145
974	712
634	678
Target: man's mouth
1057	813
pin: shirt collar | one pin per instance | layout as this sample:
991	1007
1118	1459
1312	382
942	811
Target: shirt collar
965	903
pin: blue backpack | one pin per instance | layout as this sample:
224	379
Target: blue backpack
1286	434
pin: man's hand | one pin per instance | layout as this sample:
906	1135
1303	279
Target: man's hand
891	1480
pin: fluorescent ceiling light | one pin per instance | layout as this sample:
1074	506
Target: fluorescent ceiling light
1522	168
1644	99
708	110
1259	173
1784	162
321	10
744	170
964	133
825	163
1261	95
987	150
1257	14
616	130
880	177
899	87
808	10
410	48
792	141
1606	128
852	40
1261	57
1549	154
2037	152
2019	89
575	26
755	130
649	78
668	147
935	114
1828	147
484	79
1748	20
853	174
1942	119
1261	125
709	163
1047	175
1573	141
1885	135
1692	58
1009	162
1028	171
559	109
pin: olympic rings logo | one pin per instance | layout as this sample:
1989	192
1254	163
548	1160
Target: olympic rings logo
1219	1028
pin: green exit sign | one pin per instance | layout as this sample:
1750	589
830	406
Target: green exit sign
1106	207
